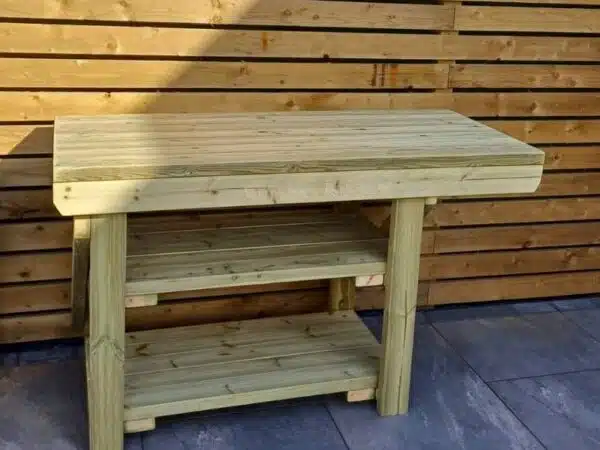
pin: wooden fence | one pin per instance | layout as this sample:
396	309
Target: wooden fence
529	69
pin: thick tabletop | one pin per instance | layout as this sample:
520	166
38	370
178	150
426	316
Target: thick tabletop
126	163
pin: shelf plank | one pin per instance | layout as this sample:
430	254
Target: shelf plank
296	363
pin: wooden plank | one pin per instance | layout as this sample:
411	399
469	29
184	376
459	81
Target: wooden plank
21	140
360	396
561	184
140	425
159	41
294	364
22	267
499	18
35	327
27	204
47	105
438	267
26	298
88	198
144	74
137	301
245	12
50	235
103	148
80	266
543	2
401	279
342	294
106	341
511	288
570	131
514	211
587	157
502	76
25	172
180	272
524	104
515	237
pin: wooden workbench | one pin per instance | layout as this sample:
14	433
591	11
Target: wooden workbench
106	167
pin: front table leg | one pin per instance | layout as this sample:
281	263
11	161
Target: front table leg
401	283
106	339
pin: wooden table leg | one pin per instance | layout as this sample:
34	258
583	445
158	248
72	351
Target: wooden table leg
401	282
106	340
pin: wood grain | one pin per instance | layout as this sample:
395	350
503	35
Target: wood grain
105	342
516	237
21	204
587	157
46	105
498	18
244	12
35	327
570	131
514	288
26	298
503	76
438	267
514	211
20	140
80	267
47	235
25	172
160	41
401	284
36	266
140	74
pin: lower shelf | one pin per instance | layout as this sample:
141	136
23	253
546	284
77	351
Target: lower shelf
181	370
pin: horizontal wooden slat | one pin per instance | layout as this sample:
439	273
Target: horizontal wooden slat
119	74
19	140
542	2
35	327
563	184
511	288
48	105
158	41
501	76
25	172
243	12
515	237
570	131
31	298
35	267
27	204
572	157
502	18
524	104
513	211
469	265
15	237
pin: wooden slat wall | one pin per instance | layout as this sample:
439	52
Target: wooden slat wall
528	68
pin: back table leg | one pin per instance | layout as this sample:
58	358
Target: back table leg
106	341
401	282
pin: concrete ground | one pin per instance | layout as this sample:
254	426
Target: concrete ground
489	377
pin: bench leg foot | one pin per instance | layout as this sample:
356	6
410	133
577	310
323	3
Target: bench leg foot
342	294
139	425
106	341
360	396
401	282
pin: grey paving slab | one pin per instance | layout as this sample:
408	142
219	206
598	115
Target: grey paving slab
563	411
42	407
588	319
520	346
291	426
577	303
488	311
450	408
